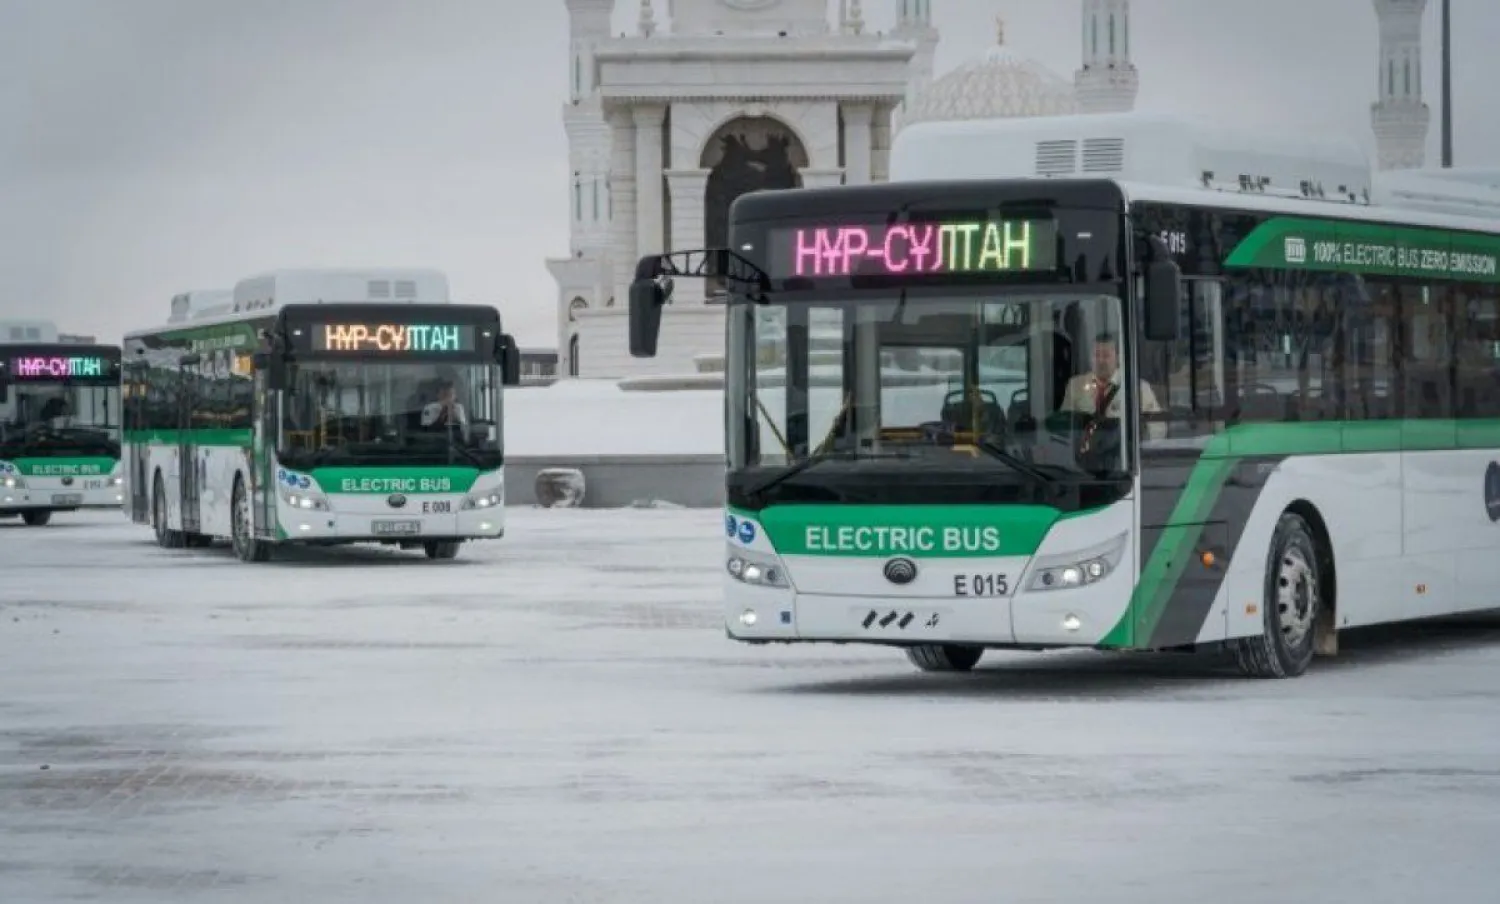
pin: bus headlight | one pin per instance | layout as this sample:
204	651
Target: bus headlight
117	481
306	500
1064	571
485	499
755	570
12	483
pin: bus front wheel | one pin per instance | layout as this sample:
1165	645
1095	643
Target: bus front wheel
166	538
441	549
1293	597
931	657
242	528
36	519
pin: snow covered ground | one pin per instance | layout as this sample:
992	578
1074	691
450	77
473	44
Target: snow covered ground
557	717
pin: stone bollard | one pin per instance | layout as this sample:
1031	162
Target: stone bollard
559	488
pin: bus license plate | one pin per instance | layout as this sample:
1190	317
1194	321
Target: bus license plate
396	527
67	499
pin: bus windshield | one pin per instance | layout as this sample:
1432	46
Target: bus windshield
53	419
353	412
1016	384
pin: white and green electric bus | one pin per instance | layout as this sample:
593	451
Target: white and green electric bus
1156	388
320	407
59	425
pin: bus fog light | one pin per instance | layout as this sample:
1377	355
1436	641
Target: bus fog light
1071	622
749	618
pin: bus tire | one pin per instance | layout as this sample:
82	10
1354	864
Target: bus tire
166	538
932	657
36	519
441	549
242	528
1292	600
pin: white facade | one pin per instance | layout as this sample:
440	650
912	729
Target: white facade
677	119
1400	119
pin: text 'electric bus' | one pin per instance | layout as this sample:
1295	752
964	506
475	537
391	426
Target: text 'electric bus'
59	426
1160	408
323	408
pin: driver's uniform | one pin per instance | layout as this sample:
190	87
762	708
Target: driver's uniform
1085	392
434	416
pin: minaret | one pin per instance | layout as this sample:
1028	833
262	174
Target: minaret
1107	82
583	276
1400	119
588	134
914	23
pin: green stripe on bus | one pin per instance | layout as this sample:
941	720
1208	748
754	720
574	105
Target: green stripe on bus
411	480
1369	249
1160	573
81	466
205	437
922	531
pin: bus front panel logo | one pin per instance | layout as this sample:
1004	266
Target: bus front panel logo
396	501
900	571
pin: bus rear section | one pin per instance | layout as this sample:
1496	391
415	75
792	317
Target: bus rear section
59	429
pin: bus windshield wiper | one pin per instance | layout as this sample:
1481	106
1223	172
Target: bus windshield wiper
466	452
997	451
817	459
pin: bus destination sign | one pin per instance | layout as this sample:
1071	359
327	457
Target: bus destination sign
58	367
971	247
394	338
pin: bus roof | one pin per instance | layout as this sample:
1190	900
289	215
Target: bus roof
262	295
1173	159
28	331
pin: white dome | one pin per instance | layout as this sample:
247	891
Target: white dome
998	84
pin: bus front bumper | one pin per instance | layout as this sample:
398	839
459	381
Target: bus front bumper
52	494
299	525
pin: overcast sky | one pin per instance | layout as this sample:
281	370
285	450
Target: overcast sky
148	147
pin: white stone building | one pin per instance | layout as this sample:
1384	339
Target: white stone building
668	125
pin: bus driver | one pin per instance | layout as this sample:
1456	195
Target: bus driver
446	411
1098	392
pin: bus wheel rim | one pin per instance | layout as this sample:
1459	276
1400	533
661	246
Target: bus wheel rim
1296	596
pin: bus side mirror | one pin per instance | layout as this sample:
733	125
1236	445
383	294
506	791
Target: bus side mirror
647	296
264	361
4	393
510	360
1163	301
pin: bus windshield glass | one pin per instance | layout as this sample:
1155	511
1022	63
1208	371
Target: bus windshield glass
1016	385
60	405
364	411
